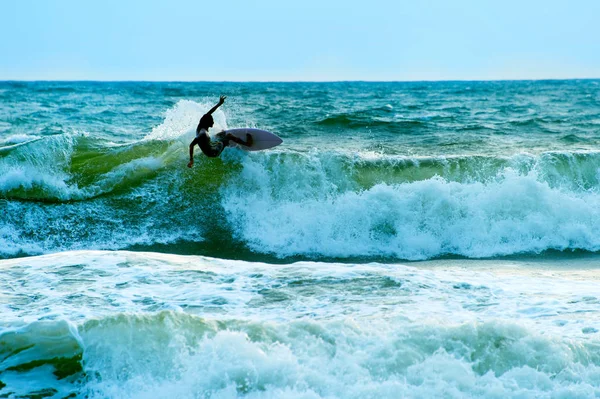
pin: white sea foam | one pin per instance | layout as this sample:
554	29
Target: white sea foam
17	139
29	177
456	328
12	244
312	209
182	119
40	166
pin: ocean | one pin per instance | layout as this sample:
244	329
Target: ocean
407	240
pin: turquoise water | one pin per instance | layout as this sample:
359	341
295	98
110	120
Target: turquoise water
406	240
368	170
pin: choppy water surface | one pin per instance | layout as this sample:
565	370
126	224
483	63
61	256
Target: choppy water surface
289	273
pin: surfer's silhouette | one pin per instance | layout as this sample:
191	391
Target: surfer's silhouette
209	147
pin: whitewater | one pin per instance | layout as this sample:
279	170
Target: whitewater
406	240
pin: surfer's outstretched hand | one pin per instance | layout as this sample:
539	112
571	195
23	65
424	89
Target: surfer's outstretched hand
190	164
222	99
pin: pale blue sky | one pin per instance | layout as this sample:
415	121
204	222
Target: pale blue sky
269	40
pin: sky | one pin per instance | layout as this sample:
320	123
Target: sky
299	40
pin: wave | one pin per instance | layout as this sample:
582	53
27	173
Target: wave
66	167
16	139
512	213
353	121
315	204
573	138
72	191
385	121
169	354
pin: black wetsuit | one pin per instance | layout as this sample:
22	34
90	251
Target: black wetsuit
210	148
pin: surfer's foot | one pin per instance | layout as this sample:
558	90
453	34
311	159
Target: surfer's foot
249	140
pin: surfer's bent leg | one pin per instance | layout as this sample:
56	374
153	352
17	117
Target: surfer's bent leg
214	149
247	143
219	147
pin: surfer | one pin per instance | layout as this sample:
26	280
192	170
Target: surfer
213	148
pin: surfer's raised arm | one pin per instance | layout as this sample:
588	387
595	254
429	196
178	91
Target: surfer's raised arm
221	101
202	139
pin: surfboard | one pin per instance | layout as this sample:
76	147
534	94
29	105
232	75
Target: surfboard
262	140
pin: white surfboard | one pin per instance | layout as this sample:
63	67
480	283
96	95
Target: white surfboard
262	140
